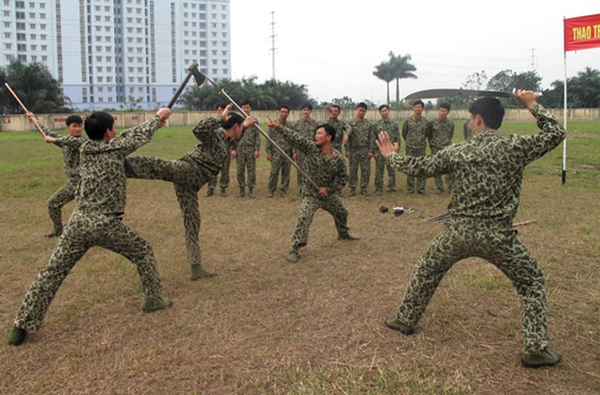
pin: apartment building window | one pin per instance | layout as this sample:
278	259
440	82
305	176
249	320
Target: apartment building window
19	4
20	15
22	47
21	37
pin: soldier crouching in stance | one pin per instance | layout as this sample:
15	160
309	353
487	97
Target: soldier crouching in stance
191	172
97	219
484	200
326	167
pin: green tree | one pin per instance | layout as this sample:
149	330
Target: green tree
507	81
401	68
35	87
584	89
130	104
266	96
383	71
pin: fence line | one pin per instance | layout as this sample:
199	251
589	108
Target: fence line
17	122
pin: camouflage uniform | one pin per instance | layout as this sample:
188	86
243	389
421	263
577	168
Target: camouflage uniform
468	135
96	221
414	132
328	172
188	175
65	194
482	209
381	163
306	129
224	181
440	136
278	162
245	161
361	141
341	129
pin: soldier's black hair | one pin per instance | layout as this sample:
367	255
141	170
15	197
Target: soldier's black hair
248	102
235	119
490	109
446	106
220	105
362	104
97	124
336	106
307	105
73	119
418	102
284	106
330	130
381	107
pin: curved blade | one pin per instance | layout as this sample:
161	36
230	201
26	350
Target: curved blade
437	93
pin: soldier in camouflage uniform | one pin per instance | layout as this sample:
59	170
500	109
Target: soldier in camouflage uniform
224	181
191	172
482	208
326	167
468	135
385	124
414	132
440	133
97	219
341	127
305	126
279	164
248	150
360	145
65	194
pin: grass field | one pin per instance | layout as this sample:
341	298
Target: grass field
264	326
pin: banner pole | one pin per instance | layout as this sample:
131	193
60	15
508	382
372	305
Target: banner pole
565	117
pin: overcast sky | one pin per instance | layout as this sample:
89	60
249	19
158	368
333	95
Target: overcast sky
332	46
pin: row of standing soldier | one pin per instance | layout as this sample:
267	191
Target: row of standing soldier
357	138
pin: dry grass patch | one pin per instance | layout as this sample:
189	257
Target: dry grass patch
264	326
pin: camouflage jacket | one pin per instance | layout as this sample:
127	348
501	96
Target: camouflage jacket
325	172
414	132
280	141
387	126
306	128
101	188
214	147
440	134
70	152
250	140
341	128
488	169
361	136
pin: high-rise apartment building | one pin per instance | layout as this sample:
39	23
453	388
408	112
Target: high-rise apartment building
105	51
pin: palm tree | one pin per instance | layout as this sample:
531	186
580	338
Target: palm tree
401	68
35	87
383	71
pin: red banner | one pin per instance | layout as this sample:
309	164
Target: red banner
582	33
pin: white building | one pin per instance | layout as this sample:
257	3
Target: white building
106	51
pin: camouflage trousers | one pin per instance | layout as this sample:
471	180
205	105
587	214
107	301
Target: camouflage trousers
245	162
82	232
60	198
359	159
410	179
279	165
224	181
187	178
439	184
332	204
380	165
496	242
